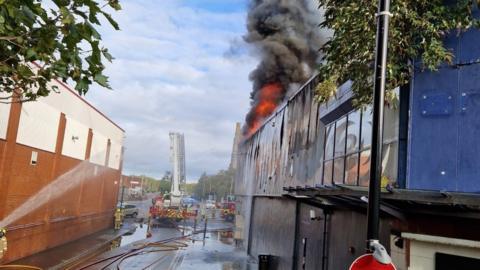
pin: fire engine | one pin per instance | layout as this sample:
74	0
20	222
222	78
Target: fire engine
228	208
167	208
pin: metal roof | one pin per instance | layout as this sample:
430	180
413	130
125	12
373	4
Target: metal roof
395	202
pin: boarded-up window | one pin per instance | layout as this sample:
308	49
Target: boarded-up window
38	126
75	140
99	149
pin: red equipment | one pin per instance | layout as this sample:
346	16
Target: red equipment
368	262
228	211
160	210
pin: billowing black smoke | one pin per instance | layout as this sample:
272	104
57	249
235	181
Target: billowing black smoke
288	39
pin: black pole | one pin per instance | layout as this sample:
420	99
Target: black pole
121	197
377	125
205	230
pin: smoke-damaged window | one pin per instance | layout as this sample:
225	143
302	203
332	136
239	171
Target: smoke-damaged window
347	149
340	135
353	132
351	169
327	172
329	141
338	170
366	128
364	168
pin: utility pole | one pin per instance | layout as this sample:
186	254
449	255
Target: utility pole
121	196
377	125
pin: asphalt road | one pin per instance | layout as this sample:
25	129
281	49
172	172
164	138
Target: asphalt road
199	250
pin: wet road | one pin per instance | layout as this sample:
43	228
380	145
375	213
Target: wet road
191	252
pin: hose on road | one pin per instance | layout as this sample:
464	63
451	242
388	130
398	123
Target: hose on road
19	267
119	258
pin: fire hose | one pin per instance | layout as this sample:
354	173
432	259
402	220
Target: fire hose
19	266
119	258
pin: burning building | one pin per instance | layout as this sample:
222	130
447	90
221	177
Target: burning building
286	37
303	174
60	168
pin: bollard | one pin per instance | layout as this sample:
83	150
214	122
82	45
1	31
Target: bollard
149	226
195	222
264	262
205	231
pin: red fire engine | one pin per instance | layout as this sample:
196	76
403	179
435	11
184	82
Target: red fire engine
228	209
163	209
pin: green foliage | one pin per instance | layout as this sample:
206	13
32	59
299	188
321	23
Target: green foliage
153	185
60	37
190	188
416	32
219	184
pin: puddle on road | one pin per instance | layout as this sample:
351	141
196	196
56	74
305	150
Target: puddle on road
140	233
218	253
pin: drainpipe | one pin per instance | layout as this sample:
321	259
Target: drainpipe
325	241
295	236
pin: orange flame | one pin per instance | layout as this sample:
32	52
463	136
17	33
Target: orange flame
269	97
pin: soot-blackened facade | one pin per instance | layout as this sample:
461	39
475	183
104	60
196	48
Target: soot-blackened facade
312	160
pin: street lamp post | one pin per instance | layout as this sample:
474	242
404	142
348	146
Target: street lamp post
377	125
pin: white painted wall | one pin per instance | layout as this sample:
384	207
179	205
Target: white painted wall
75	140
98	153
424	247
115	155
4	115
72	105
38	126
38	119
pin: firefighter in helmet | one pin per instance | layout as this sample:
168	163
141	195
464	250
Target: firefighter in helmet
118	218
3	242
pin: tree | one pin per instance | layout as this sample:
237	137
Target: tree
219	184
417	30
43	40
190	188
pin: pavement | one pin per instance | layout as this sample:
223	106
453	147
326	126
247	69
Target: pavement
68	255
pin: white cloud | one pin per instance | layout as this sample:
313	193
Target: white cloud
170	74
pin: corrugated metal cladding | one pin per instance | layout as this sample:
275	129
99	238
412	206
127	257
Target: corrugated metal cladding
274	233
445	121
286	151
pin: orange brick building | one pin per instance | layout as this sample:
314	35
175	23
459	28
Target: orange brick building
69	153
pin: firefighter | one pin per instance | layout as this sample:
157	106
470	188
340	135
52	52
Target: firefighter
3	242
118	219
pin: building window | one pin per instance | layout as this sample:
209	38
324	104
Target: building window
448	261
351	169
347	148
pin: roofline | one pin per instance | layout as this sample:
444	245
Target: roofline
66	86
284	104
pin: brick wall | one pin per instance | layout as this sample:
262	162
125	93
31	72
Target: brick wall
83	209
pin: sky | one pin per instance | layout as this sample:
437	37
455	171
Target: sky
180	65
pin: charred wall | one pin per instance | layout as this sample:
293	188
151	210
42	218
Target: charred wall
287	150
273	230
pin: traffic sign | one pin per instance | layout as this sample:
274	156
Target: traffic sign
368	262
